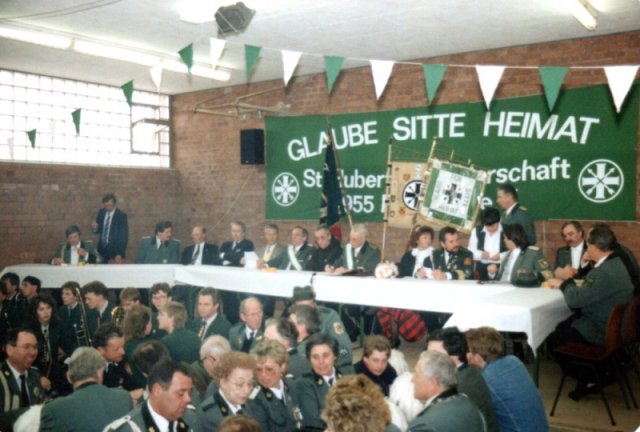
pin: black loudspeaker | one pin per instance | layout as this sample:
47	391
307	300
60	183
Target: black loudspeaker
252	147
233	19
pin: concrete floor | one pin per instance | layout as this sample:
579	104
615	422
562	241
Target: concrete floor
587	415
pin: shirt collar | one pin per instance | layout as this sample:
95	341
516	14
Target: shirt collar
161	422
232	407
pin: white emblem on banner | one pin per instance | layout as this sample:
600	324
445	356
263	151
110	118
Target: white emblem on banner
285	189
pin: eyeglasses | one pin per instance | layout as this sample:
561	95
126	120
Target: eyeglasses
27	347
247	384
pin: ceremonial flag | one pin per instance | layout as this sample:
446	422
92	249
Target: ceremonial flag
331	206
406	188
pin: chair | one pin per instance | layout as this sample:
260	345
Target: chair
595	356
632	338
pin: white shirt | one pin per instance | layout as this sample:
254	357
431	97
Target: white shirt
161	422
278	391
421	255
234	408
200	247
329	377
576	255
268	250
491	244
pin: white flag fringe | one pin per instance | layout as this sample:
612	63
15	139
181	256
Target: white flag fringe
489	78
381	70
156	75
289	63
620	79
216	46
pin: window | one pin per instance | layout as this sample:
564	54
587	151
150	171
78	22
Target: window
111	133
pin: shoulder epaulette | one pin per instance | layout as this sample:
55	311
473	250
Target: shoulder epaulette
255	392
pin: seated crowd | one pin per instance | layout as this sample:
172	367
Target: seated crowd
209	360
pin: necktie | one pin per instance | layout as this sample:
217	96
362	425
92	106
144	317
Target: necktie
24	393
267	253
106	228
172	426
196	252
239	412
330	382
201	331
451	262
47	348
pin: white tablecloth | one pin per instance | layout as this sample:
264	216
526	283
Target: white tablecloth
534	311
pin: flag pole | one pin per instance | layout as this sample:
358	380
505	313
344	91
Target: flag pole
387	192
347	208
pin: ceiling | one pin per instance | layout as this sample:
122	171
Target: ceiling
359	30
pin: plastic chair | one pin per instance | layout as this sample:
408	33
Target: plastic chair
595	356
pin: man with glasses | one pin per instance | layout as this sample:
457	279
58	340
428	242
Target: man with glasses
20	385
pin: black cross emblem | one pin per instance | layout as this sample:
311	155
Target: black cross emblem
452	194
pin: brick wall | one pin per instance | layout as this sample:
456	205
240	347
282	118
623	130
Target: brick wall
220	190
209	186
38	202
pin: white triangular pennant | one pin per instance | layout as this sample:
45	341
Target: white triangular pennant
381	70
620	79
489	77
289	62
216	46
156	75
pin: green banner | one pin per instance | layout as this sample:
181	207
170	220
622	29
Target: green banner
578	162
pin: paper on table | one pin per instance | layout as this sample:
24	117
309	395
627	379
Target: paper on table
251	260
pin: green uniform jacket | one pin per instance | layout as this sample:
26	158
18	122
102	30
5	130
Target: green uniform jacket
460	267
238	337
298	364
310	391
272	413
367	259
214	409
10	395
150	253
520	216
530	269
140	420
472	384
449	412
183	345
137	379
90	407
303	256
220	326
331	324
604	287
64	251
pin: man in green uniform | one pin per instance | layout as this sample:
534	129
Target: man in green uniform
86	368
452	261
183	344
514	213
297	254
161	248
210	321
358	254
244	335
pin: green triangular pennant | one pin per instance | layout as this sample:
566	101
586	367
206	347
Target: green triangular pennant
32	137
552	78
433	74
127	89
332	67
251	54
76	119
186	54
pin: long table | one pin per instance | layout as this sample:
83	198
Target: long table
534	311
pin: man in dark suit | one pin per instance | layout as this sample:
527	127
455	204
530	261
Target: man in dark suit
569	258
19	382
200	252
112	225
211	321
75	251
327	249
99	309
15	304
161	248
86	368
358	254
232	252
435	382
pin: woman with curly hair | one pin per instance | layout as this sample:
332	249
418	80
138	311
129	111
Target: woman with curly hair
355	404
136	328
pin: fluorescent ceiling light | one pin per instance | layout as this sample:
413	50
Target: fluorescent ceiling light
582	11
50	40
112	52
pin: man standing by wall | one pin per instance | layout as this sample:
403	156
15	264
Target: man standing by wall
514	213
112	225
